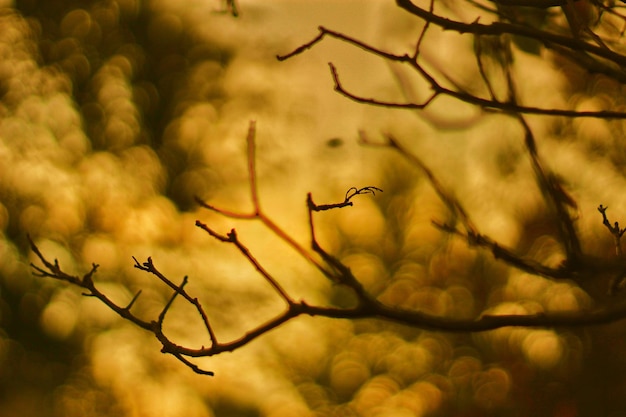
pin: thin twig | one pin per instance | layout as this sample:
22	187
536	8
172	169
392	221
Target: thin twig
352	192
615	230
374	309
555	195
446	196
149	267
257	213
422	35
508	107
367	306
502	28
481	69
251	146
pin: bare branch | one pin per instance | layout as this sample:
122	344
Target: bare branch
370	308
367	306
614	229
251	146
302	48
505	254
556	196
352	192
447	197
548	39
418	45
149	267
491	104
588	49
132	302
481	69
576	267
257	213
192	365
54	271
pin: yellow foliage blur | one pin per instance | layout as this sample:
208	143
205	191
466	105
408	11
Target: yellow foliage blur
116	115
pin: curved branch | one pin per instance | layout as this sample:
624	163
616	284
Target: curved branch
508	107
500	28
369	309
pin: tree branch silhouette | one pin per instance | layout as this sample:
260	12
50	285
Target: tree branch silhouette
577	266
487	104
367	305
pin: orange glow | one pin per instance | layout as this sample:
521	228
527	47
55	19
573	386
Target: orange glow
116	115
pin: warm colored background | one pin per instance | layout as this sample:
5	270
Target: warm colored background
115	113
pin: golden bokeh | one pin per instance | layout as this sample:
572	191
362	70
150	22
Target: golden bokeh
116	115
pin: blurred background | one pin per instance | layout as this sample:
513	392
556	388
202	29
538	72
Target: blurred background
114	114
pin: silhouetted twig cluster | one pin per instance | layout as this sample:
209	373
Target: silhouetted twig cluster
583	46
367	306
